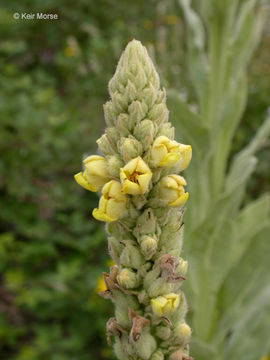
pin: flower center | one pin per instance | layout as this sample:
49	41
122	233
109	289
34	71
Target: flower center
134	177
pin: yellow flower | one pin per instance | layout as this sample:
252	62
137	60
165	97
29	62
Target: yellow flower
95	174
100	286
172	190
135	177
112	202
166	304
166	152
265	357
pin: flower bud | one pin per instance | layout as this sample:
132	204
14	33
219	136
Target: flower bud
140	79
145	132
165	305
123	303
130	148
163	332
119	103
109	113
105	146
172	190
148	246
158	355
113	84
172	234
128	279
112	203
114	248
166	129
135	177
180	314
154	78
182	267
146	224
119	350
122	347
114	164
159	113
113	136
151	277
145	346
131	256
161	96
124	124
159	287
165	152
137	111
149	95
95	174
182	333
130	91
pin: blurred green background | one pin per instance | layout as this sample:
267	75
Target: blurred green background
53	81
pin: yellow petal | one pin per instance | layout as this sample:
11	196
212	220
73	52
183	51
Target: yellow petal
144	182
158	154
123	175
170	159
115	208
142	166
106	188
131	188
186	155
96	172
180	201
100	286
158	305
172	304
169	182
180	180
80	179
130	167
115	190
102	205
93	158
160	140
101	216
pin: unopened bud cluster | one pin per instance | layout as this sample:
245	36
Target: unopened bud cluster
142	195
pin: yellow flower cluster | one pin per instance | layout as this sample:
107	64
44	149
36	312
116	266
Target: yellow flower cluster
135	178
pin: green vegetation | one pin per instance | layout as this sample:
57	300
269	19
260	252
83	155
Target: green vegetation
53	84
227	241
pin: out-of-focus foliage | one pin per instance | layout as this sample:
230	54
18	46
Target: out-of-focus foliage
227	241
53	84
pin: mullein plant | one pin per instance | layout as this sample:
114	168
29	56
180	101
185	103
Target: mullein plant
141	202
228	243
